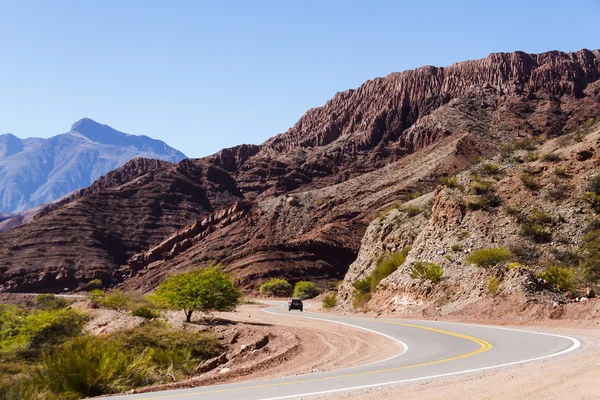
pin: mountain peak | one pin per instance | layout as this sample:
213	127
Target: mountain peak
98	133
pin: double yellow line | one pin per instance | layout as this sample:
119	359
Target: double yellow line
483	347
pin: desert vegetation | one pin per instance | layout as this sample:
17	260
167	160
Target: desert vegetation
427	271
306	290
330	301
488	257
385	265
277	287
45	353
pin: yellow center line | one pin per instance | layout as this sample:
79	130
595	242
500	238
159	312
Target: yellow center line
484	346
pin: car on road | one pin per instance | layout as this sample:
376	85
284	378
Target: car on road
295	304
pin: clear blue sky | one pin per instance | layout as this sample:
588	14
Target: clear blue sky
203	75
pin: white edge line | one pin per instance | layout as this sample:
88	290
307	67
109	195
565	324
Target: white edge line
404	345
576	344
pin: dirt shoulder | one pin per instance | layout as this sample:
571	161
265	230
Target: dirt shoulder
295	346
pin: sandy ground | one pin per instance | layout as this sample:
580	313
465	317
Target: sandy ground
572	376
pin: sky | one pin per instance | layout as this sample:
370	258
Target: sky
206	75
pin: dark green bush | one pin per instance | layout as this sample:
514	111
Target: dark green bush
488	257
426	270
306	290
276	287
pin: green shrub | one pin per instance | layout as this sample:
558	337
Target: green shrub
480	187
415	195
306	290
175	349
551	157
536	232
493	286
329	301
489	168
449	181
532	156
485	201
94	284
560	277
362	292
516	265
386	264
488	257
117	300
426	270
20	330
94	366
145	312
529	181
590	249
561	172
276	287
526	144
594	185
413	210
23	387
506	151
50	302
540	217
457	247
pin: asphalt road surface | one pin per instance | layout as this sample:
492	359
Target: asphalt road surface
431	350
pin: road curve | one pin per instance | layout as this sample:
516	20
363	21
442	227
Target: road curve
431	350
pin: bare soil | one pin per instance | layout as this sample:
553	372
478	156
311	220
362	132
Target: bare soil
296	346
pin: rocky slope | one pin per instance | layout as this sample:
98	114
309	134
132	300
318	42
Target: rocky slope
35	171
298	205
541	213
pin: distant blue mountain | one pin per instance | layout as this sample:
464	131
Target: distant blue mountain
35	171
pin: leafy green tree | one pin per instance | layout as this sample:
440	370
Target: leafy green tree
205	290
306	290
276	287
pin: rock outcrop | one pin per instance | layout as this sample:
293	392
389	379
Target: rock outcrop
543	224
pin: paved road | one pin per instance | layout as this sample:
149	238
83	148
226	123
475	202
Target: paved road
431	350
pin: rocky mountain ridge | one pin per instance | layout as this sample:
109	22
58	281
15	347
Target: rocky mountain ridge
36	171
310	194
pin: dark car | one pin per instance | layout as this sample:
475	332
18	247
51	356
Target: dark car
295	304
